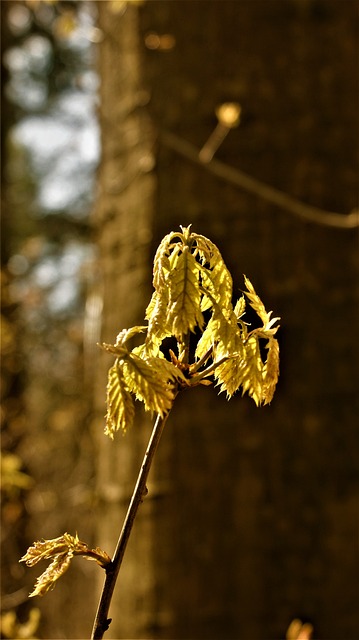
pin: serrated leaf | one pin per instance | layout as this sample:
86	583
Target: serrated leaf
216	279
150	309
208	252
217	284
55	570
189	278
161	263
206	341
61	550
118	351
184	313
243	370
158	329
221	332
271	370
255	302
127	334
45	549
253	379
120	406
240	307
230	375
143	380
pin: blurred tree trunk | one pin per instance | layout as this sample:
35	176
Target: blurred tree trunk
251	514
44	406
124	222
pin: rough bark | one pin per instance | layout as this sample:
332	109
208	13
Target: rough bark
252	518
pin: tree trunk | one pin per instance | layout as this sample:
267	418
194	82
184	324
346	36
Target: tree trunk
251	515
124	220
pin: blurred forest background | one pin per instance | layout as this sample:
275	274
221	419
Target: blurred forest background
252	514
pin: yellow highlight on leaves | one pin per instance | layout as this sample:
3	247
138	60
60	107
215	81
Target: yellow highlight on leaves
190	279
60	551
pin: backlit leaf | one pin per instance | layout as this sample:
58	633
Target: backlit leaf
143	380
184	312
190	278
271	370
156	314
120	406
253	378
258	306
61	550
240	307
127	334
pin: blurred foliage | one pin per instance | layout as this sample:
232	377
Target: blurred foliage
50	149
13	479
298	630
11	628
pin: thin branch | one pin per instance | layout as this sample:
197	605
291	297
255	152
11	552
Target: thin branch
207	372
102	622
194	367
260	189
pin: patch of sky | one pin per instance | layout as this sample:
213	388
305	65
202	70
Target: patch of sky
55	87
59	131
63	297
59	276
64	148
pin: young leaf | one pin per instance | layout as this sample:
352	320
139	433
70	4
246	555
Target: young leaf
55	570
253	378
184	312
167	371
255	301
216	279
271	370
161	263
221	333
61	550
229	375
143	380
127	334
258	306
190	277
45	549
120	406
240	307
156	314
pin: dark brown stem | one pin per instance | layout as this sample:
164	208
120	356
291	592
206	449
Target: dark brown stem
102	622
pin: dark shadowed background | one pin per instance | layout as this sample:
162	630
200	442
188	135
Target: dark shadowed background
252	514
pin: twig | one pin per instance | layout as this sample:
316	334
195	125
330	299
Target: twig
207	372
260	189
102	622
195	367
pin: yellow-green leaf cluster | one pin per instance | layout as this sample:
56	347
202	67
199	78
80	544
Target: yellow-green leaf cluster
120	405
13	479
60	551
245	367
189	276
150	379
193	293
